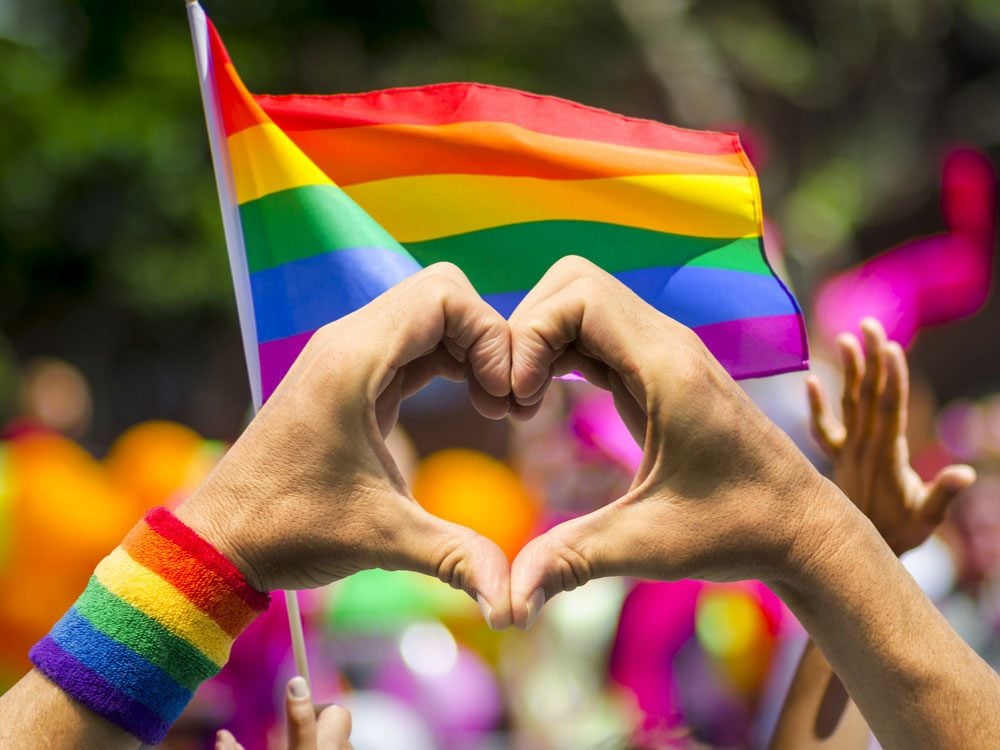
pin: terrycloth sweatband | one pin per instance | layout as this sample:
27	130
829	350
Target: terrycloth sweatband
157	618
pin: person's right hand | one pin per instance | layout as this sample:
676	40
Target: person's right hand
309	727
309	493
721	494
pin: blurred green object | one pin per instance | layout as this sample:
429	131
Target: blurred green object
9	378
383	601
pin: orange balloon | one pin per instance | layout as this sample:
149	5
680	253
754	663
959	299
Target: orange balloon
156	462
64	516
478	491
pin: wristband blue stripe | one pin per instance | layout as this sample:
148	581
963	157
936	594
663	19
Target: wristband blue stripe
121	666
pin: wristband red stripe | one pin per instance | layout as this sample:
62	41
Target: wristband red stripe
166	525
203	586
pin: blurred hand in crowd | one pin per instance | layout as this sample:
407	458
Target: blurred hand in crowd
868	446
313	466
309	727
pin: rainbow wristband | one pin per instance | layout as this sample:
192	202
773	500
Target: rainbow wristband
157	619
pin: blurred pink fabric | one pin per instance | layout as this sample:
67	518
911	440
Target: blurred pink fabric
929	280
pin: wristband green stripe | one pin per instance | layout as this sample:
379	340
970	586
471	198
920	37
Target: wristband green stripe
144	635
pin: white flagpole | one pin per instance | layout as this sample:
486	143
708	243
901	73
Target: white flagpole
237	262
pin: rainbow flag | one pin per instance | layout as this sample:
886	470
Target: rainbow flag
330	200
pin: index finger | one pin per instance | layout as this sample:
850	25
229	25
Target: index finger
578	302
435	306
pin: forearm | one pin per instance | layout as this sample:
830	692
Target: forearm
916	682
817	713
37	713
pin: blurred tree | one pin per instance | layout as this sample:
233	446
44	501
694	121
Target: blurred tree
111	250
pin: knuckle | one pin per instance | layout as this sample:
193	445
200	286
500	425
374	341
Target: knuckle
691	339
588	285
445	270
570	567
337	716
451	562
300	713
574	265
630	369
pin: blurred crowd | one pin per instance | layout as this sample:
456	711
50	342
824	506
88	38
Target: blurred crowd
413	659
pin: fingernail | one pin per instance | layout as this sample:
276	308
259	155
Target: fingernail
535	602
298	688
486	609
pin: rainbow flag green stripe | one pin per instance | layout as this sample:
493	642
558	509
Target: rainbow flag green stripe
302	222
294	224
337	198
156	619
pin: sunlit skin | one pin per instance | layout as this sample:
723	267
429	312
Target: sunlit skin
870	455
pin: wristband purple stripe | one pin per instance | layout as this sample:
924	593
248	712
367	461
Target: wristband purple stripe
121	666
96	693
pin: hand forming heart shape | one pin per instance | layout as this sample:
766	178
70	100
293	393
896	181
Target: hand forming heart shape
309	494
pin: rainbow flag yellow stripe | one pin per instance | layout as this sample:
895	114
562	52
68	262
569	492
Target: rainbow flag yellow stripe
340	197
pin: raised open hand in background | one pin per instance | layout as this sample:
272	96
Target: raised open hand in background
869	449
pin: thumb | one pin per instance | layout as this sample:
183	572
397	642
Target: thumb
224	740
461	558
301	715
562	559
944	487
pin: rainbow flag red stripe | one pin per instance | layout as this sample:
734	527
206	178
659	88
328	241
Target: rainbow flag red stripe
339	197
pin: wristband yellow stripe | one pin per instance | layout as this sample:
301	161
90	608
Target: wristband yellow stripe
146	591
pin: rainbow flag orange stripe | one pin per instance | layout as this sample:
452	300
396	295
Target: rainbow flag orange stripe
337	198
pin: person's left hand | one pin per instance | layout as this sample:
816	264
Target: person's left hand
309	727
310	494
869	450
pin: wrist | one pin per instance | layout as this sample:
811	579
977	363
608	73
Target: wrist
219	520
827	536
